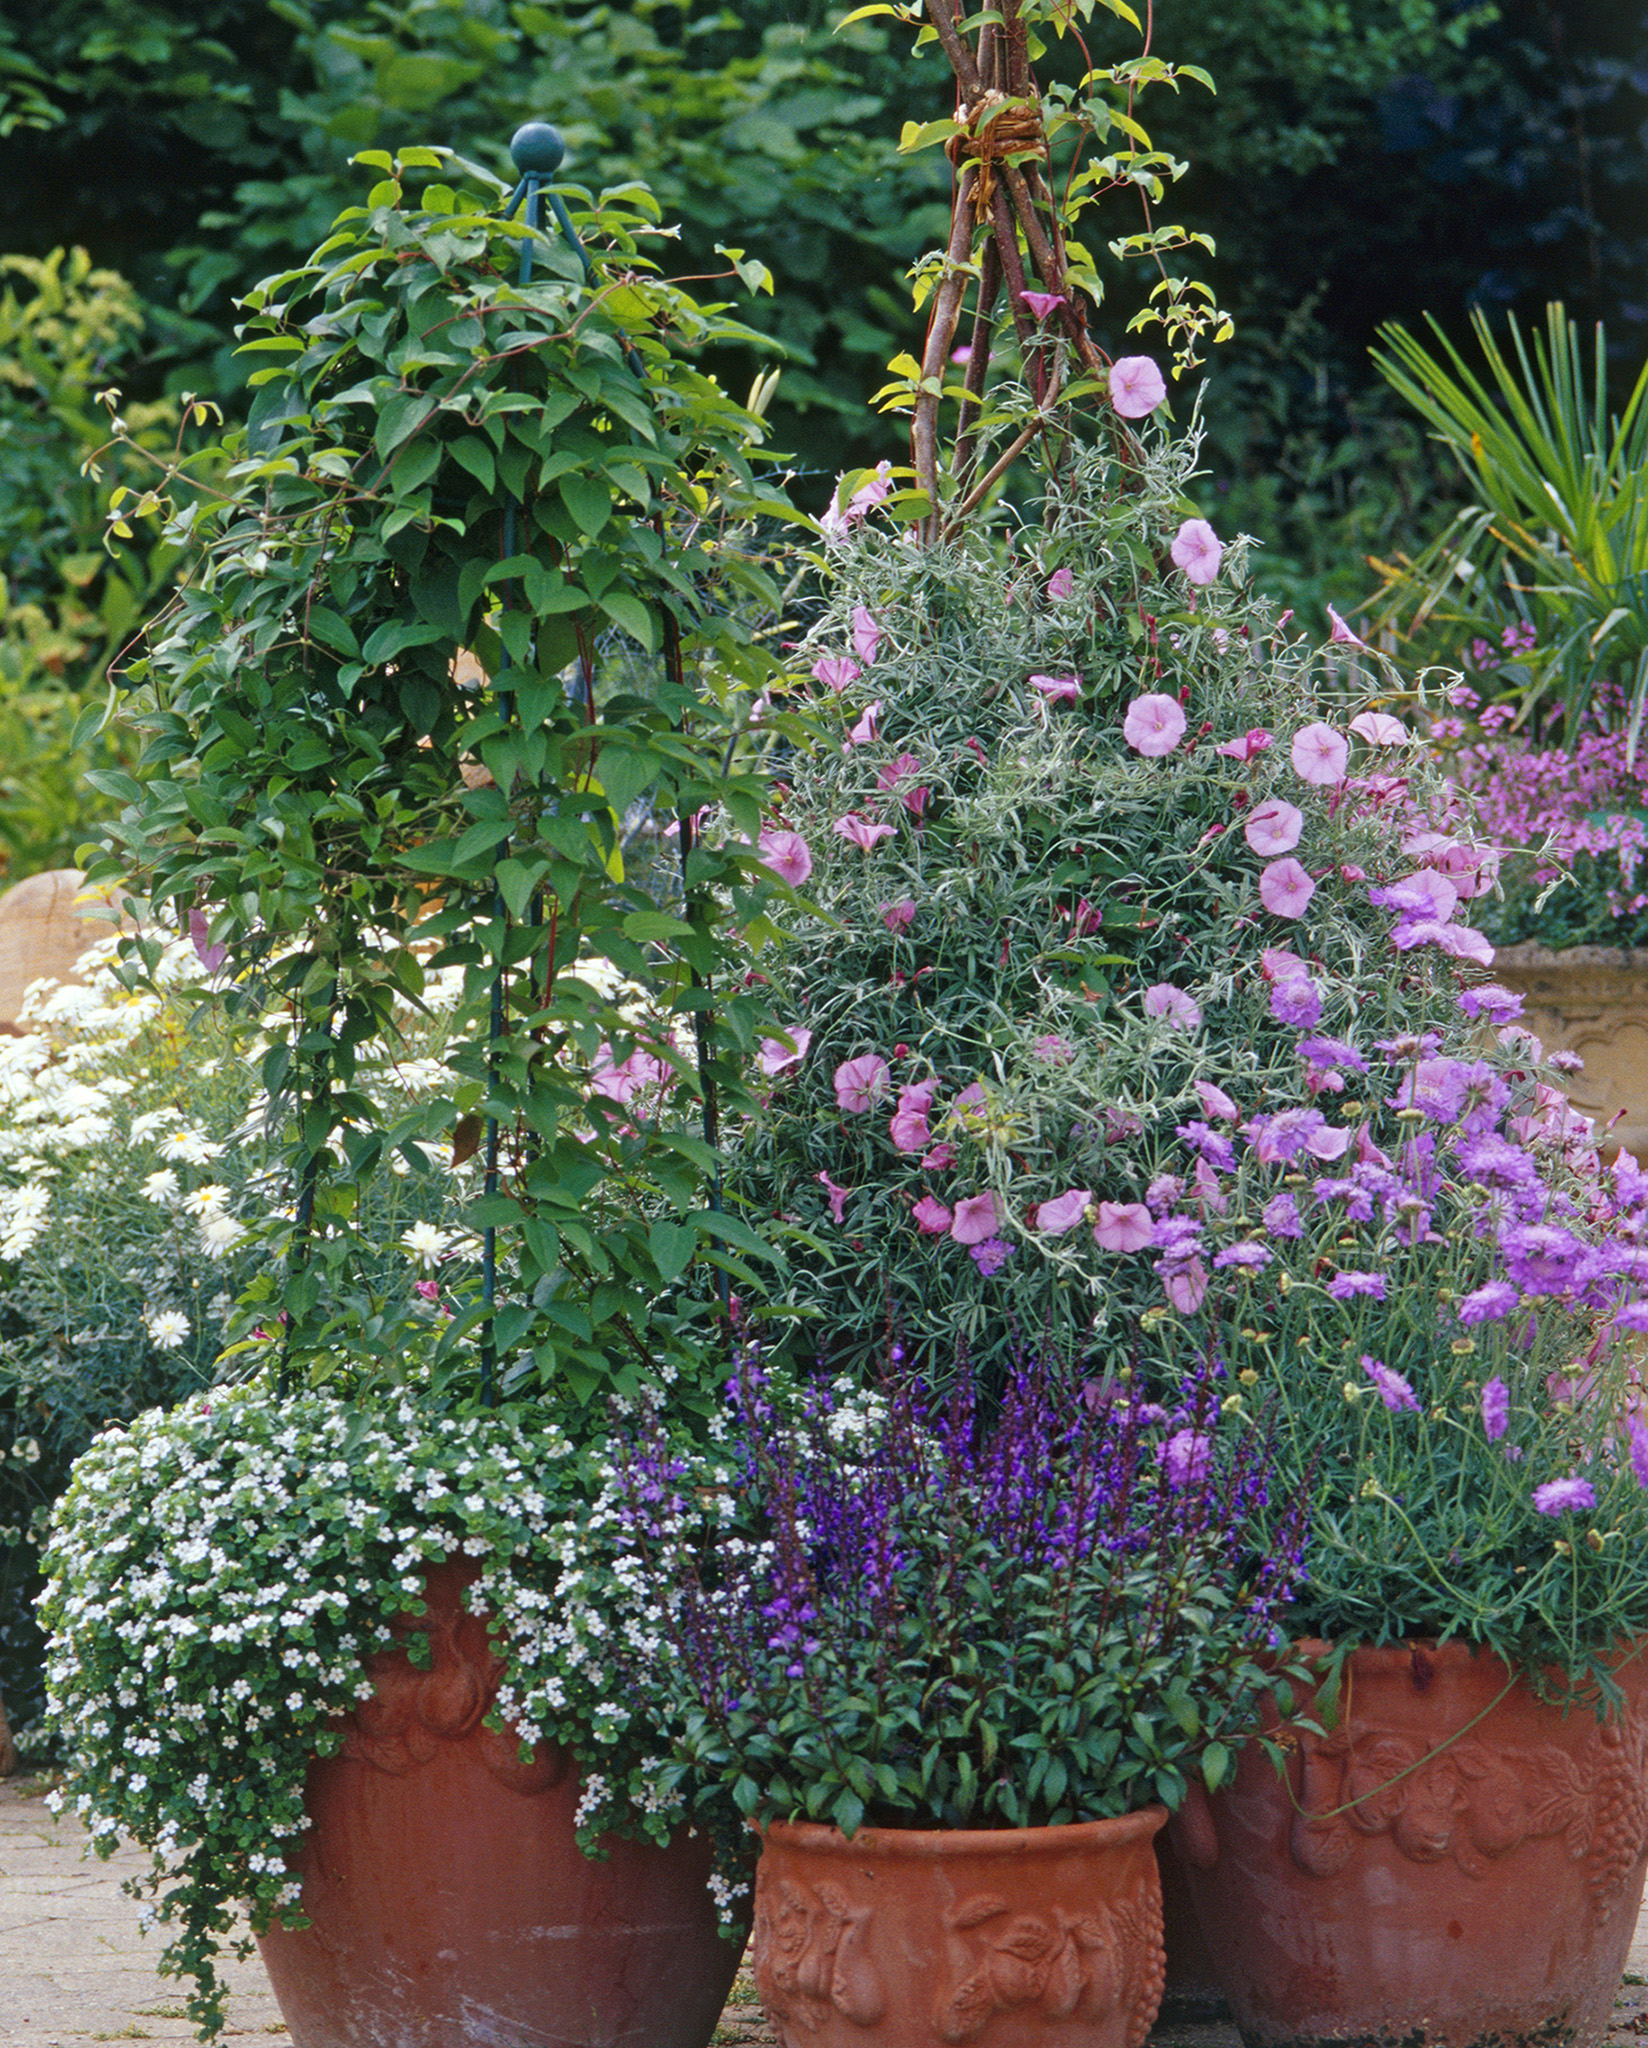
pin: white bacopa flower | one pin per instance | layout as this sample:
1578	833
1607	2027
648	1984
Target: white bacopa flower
425	1243
167	1329
161	1187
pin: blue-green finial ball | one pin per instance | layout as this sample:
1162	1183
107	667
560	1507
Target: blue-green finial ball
537	147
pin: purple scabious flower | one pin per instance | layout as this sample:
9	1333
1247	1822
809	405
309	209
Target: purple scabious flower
1639	1452
1488	1304
1496	1410
1498	1005
1185	1457
990	1256
1213	1145
1394	1390
1297	1001
1347	1286
1564	1497
1495	1162
1541	1258
1245	1254
1358	1200
1332	1052
1280	1216
1162	1193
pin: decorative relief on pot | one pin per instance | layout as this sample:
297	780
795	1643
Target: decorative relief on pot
1474	1801
1062	1965
810	1955
413	1710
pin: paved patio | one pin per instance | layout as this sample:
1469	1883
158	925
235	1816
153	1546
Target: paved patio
74	1966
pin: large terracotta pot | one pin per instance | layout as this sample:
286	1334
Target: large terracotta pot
1455	1864
450	1903
46	923
1019	1937
1592	1000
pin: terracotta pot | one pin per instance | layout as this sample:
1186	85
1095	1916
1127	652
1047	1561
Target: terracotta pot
1021	1937
1455	1864
1592	1000
45	926
449	1900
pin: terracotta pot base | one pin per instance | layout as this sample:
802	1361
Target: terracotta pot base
1456	1865
909	1938
451	1906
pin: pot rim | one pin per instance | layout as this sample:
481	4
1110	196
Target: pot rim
1456	1650
821	1838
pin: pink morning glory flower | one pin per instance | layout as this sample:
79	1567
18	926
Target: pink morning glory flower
1285	889
1320	754
863	734
1198	551
939	1158
976	1219
200	926
1215	1102
1123	1227
836	671
1340	632
1154	725
1254	741
1379	729
1060	585
861	831
860	1084
837	1194
1172	1005
1276	963
1063	1212
786	855
1136	386
909	1121
932	1219
776	1056
866	634
1274	827
898	917
964	354
1042	303
1187	1287
1058	689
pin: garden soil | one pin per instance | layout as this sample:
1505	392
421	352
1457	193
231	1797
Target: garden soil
74	1966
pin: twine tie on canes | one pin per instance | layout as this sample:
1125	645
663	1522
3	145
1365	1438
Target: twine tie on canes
996	127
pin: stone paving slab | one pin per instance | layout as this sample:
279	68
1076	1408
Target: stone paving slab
76	1967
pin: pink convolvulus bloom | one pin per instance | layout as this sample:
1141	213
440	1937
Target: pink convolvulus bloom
1058	689
860	1084
861	831
1320	754
863	734
837	1194
964	354
1254	741
776	1056
1496	1410
211	957
1328	1142
1042	303
1154	725
1379	729
1285	889
977	1218
1215	1102
909	1121
785	854
1063	1212
1198	551
1123	1227
1172	1005
932	1219
1571	1496
1186	1289
1341	634
1276	963
901	768
866	634
940	1157
1060	585
898	917
836	671
1274	827
1137	387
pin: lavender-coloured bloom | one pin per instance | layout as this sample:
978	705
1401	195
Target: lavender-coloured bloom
1280	1216
1357	1198
990	1256
1498	1005
1571	1496
1185	1457
1297	1001
1162	1193
1348	1286
1496	1410
1491	1303
1394	1390
1639	1451
1332	1052
1213	1145
1495	1162
1541	1258
1282	1137
1251	1256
